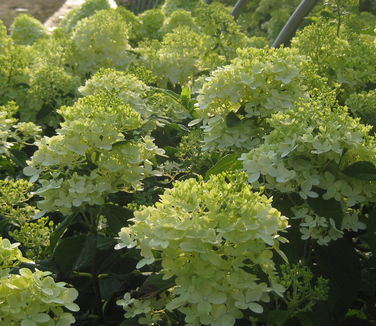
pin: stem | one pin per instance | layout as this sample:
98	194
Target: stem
288	31
307	255
237	10
92	220
97	291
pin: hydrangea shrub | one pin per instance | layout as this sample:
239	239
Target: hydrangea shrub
32	298
25	30
212	237
93	154
235	100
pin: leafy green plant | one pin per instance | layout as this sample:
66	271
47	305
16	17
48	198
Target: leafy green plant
133	129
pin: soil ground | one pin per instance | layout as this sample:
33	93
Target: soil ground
49	12
40	9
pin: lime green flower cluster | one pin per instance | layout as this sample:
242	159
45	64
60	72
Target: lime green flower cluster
87	9
151	21
19	213
363	105
178	57
236	98
170	6
178	18
14	62
123	85
94	153
25	30
346	59
132	91
6	125
31	298
186	41
101	40
35	237
14	134
10	256
14	195
49	87
57	50
302	291
213	237
225	34
323	229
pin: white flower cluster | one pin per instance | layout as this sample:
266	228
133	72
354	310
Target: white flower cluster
93	154
178	57
127	87
132	91
322	229
305	153
14	133
298	153
236	98
151	309
101	40
213	237
31	298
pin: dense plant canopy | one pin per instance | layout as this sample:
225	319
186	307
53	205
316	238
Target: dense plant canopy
172	168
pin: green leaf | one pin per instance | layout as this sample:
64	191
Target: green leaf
6	166
130	322
73	253
232	120
229	162
120	143
330	208
371	230
104	243
60	230
362	170
19	157
109	287
169	93
178	126
278	317
116	217
170	150
154	285
305	319
185	99
185	93
45	110
158	282
339	262
354	321
28	322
